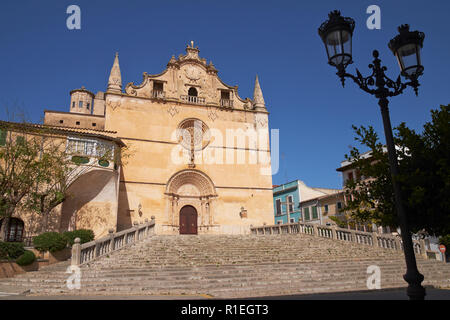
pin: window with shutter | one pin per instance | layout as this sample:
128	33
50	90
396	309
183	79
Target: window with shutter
306	212
314	212
290	199
278	203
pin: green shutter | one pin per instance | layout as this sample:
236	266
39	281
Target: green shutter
307	214
314	212
2	137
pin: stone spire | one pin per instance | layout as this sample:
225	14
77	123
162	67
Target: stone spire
258	99
115	79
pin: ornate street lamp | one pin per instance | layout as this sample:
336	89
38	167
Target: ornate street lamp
336	33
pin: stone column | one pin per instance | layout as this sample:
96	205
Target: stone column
175	212
208	211
202	211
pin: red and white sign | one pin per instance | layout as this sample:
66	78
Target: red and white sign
442	248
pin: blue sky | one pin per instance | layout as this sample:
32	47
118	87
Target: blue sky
41	61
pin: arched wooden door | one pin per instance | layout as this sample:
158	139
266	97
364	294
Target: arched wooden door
188	220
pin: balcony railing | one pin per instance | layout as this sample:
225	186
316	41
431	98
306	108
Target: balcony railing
227	103
158	94
193	99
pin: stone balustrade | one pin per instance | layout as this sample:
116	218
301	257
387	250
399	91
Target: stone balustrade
386	241
227	103
84	253
158	94
193	99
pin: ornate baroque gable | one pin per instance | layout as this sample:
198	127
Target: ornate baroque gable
190	79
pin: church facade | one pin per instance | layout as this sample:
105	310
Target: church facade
197	155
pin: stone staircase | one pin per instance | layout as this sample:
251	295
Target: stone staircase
231	267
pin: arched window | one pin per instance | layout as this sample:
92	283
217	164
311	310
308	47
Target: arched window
192	92
14	232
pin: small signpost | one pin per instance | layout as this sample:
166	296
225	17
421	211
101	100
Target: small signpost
442	250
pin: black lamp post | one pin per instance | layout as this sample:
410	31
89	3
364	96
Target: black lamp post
336	34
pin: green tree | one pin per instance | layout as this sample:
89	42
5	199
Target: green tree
424	177
36	170
19	166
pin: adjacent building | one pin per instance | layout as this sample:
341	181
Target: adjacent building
320	209
349	172
295	201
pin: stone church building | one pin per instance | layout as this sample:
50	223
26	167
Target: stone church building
191	158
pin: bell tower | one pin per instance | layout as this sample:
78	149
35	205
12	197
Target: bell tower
81	101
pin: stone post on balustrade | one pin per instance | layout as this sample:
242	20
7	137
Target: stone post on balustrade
315	230
136	233
97	249
353	233
154	226
333	232
423	248
375	239
146	228
111	239
398	244
76	253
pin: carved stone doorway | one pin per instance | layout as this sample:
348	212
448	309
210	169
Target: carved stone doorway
190	188
188	220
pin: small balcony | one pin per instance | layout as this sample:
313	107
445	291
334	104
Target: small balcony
192	99
226	103
159	94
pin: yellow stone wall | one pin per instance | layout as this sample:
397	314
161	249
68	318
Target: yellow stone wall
147	128
151	182
86	121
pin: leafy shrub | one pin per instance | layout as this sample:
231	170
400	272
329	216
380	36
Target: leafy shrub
445	240
26	258
85	235
11	250
50	241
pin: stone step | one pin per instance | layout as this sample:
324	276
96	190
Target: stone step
190	275
231	266
135	270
